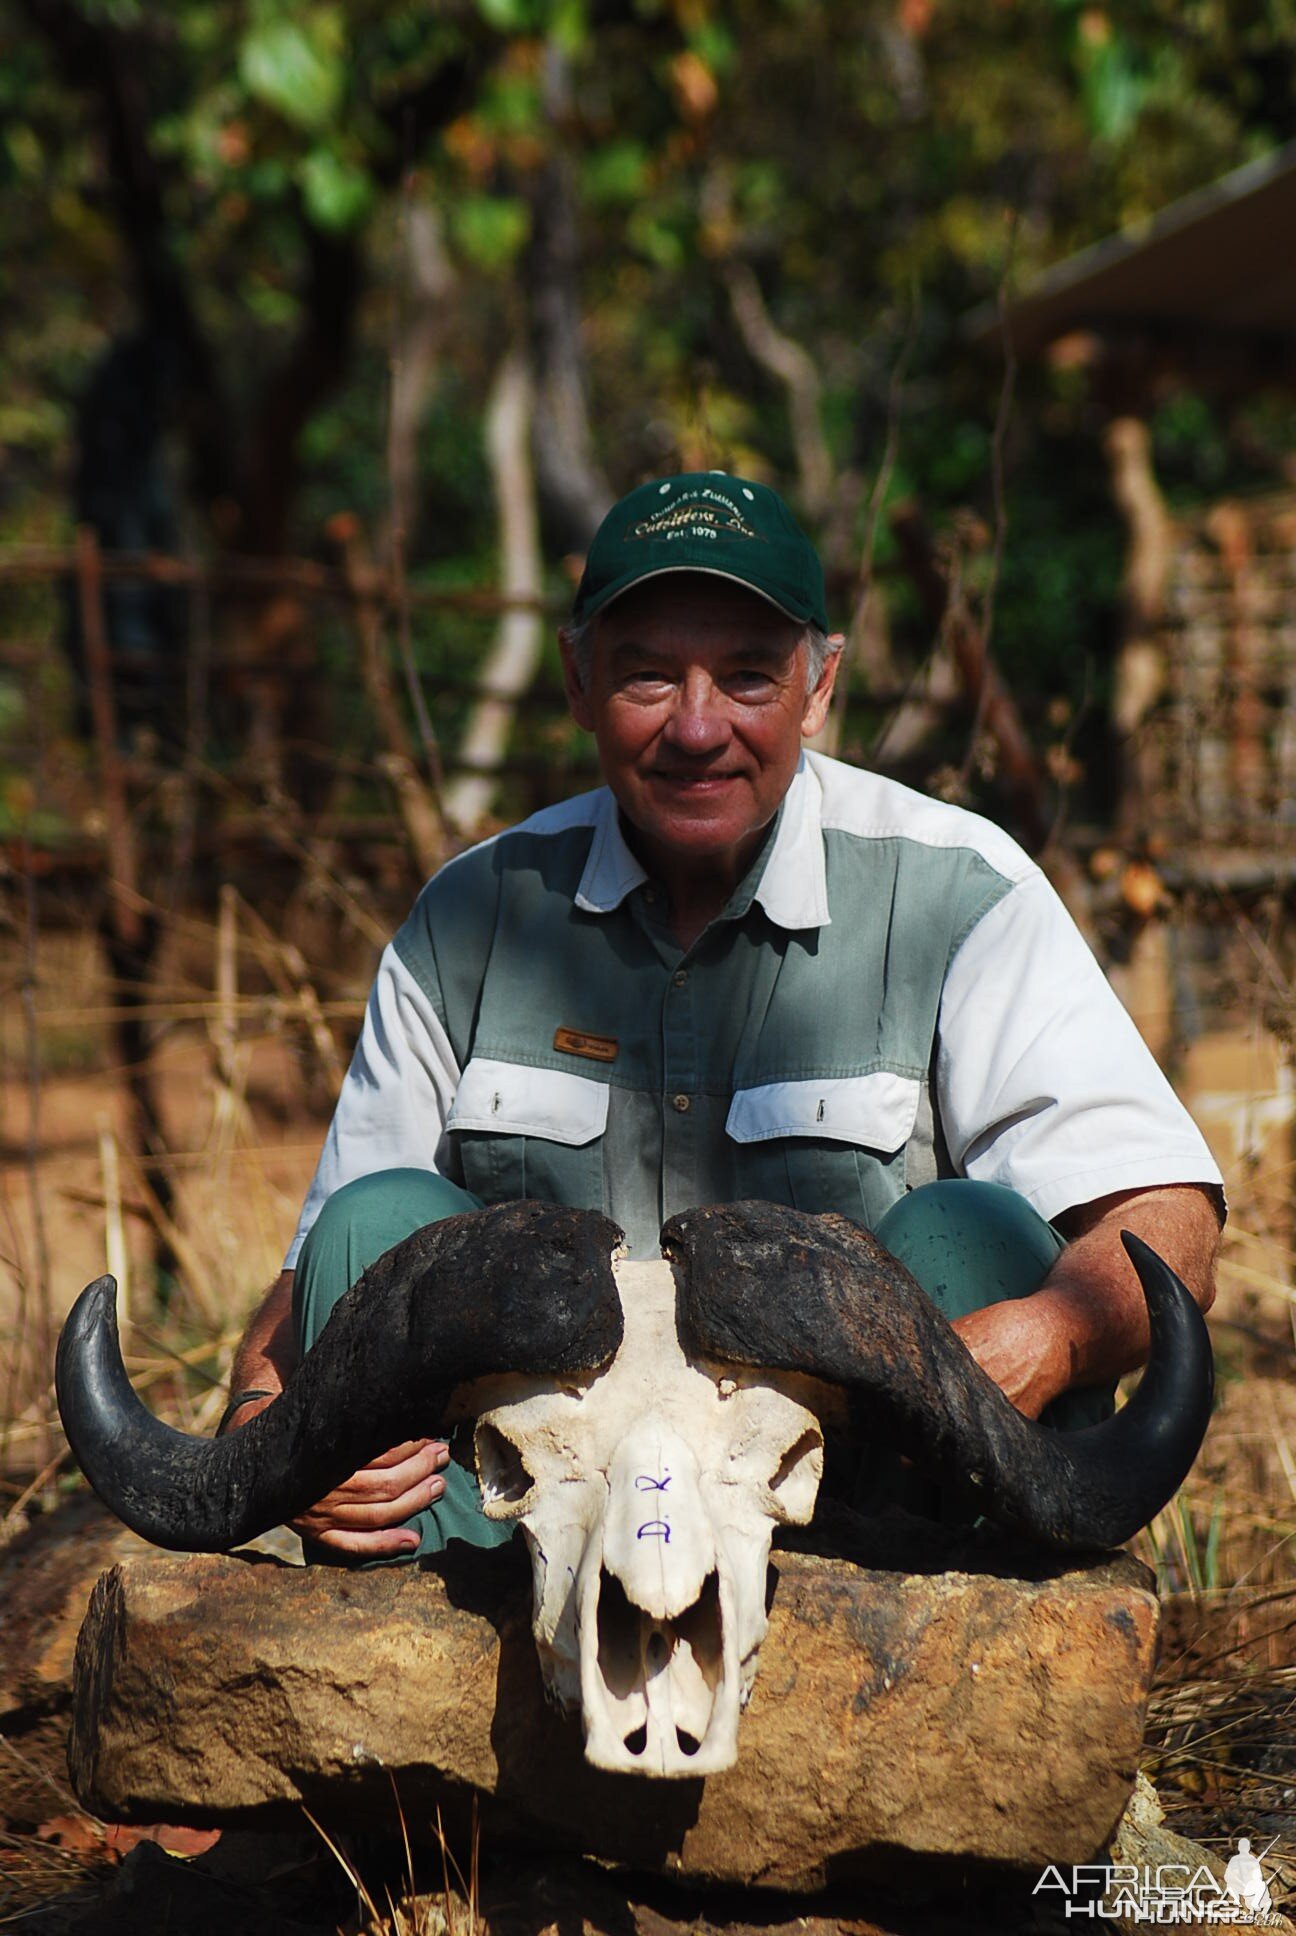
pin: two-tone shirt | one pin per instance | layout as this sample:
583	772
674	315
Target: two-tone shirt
893	993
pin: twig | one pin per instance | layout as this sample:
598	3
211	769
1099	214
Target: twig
420	805
794	367
865	581
300	850
197	678
196	1275
36	1485
998	439
31	1039
224	1027
120	837
287	967
409	376
114	1230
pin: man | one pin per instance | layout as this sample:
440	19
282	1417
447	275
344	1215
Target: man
743	970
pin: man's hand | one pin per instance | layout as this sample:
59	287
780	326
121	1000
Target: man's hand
1088	1321
363	1515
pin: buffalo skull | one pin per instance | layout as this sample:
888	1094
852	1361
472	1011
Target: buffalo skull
649	1425
648	1496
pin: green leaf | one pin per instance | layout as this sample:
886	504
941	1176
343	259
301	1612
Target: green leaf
508	16
490	229
569	24
616	171
298	71
338	195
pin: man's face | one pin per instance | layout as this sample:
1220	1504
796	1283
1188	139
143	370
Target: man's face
698	701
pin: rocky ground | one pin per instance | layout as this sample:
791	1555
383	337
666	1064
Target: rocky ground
63	1871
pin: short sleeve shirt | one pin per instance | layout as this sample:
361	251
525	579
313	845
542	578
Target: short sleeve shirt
893	993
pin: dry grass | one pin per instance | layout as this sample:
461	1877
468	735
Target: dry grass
244	1115
452	1910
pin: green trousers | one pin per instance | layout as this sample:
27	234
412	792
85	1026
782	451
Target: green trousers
968	1244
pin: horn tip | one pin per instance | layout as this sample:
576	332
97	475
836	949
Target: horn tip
94	1309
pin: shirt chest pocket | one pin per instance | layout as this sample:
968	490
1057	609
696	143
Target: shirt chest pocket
526	1132
827	1143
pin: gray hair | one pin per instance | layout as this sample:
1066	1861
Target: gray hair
579	640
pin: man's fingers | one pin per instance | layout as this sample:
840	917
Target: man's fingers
393	1476
375	1545
406	1451
345	1511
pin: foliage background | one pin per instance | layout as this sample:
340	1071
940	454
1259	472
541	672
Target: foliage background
206	213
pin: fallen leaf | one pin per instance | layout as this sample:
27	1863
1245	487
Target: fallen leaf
79	1834
174	1839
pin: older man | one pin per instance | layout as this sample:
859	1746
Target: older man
739	969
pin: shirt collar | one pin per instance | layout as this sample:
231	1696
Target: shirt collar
793	887
611	870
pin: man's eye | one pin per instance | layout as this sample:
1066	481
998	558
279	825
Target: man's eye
644	679
751	680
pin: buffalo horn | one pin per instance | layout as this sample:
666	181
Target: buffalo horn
519	1287
786	1290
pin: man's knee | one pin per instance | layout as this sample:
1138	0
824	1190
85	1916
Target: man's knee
355	1227
970	1243
385	1200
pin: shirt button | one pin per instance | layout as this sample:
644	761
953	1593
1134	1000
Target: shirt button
650	895
679	978
681	1104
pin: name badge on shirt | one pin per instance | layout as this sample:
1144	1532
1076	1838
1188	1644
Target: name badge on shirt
595	1048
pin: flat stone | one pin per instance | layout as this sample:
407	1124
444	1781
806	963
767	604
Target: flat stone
953	1717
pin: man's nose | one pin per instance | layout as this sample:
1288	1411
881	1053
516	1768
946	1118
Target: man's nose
699	722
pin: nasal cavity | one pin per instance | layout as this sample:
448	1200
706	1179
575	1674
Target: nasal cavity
800	1449
500	1466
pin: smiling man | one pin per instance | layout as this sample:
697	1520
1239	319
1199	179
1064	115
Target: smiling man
740	969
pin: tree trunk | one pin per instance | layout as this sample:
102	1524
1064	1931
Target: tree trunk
574	493
514	658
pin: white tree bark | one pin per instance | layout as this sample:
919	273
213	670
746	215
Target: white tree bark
514	658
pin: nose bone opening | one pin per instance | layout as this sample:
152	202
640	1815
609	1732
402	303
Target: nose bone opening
802	1448
648	1665
500	1466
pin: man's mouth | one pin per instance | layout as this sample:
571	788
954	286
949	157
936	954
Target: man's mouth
693	781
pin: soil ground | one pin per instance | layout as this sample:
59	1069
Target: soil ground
243	1119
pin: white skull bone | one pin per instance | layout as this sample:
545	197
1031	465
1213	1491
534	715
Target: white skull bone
649	1497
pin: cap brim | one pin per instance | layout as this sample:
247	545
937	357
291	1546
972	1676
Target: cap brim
703	571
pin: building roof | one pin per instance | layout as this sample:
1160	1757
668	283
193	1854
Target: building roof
1221	260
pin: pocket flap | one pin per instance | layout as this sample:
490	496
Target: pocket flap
513	1099
876	1111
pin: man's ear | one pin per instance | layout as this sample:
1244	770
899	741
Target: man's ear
578	699
819	699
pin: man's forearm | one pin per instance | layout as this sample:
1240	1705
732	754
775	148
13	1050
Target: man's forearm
1094	1285
1088	1322
267	1355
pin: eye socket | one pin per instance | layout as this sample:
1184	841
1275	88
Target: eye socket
501	1469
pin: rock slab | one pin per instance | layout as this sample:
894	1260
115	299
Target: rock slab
949	1717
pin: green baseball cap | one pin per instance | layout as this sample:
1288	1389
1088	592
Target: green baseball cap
704	521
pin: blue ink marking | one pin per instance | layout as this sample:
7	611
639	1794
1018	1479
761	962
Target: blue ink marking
655	1529
645	1482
